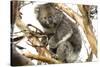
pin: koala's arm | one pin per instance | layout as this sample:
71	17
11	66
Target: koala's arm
64	32
76	39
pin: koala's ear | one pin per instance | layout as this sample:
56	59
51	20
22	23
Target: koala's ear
65	52
50	4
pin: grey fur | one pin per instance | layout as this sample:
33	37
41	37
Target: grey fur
65	40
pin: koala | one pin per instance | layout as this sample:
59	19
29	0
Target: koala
64	38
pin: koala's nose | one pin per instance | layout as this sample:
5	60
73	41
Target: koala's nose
55	24
49	18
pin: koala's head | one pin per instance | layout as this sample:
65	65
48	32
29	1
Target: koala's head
48	15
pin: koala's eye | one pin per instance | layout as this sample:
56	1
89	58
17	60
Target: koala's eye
44	17
55	24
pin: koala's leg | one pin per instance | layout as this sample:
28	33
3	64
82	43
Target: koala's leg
65	52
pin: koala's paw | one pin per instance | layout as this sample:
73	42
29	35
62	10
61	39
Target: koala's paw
52	43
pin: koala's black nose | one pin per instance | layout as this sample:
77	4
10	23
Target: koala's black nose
50	18
55	24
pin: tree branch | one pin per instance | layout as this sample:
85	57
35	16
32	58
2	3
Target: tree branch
88	31
42	58
44	54
71	13
18	59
